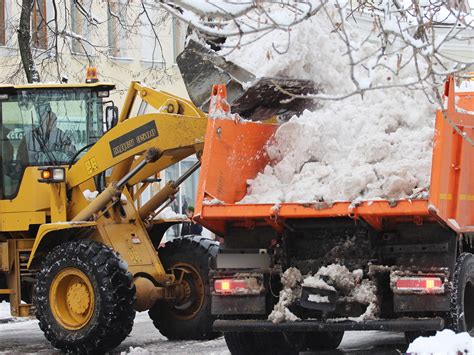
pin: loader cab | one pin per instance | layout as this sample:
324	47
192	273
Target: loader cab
46	125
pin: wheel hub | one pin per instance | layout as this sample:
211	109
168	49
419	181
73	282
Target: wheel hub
187	290
193	292
78	298
71	298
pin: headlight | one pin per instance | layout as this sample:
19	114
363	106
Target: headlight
58	174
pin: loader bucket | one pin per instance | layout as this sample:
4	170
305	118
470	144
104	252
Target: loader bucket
251	97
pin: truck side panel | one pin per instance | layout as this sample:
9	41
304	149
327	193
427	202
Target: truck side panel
452	185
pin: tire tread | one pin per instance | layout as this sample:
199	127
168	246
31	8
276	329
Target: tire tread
117	296
201	251
456	314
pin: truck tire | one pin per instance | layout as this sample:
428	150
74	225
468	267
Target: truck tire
274	343
190	318
461	317
324	340
3	284
410	336
84	297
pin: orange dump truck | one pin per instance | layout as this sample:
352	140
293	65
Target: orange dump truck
417	255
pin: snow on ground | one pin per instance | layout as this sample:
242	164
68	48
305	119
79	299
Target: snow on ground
4	310
5	314
444	342
22	335
26	337
370	147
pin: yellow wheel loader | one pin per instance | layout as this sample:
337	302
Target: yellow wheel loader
76	247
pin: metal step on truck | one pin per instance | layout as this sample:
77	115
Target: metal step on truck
416	256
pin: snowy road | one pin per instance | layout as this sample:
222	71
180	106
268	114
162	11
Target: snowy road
24	336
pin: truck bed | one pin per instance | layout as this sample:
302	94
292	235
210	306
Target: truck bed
235	152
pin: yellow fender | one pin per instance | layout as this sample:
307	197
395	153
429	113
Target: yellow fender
45	232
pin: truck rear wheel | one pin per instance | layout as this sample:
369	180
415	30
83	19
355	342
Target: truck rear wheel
324	340
462	295
275	343
84	298
410	336
190	317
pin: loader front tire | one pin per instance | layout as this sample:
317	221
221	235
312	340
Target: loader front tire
462	295
84	298
189	318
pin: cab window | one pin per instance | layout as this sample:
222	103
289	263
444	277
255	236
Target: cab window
45	127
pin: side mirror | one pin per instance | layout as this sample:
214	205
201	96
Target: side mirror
111	117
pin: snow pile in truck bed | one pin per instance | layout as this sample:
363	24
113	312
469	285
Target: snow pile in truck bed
378	146
444	342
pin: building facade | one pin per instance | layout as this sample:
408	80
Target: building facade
126	40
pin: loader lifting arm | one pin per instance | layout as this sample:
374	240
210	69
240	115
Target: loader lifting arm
177	129
135	149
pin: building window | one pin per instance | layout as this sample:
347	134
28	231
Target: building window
179	37
39	25
151	46
78	24
2	23
117	22
186	196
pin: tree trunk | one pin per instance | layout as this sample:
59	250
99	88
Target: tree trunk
461	5
24	42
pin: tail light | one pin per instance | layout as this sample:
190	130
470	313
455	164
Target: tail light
419	285
246	286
